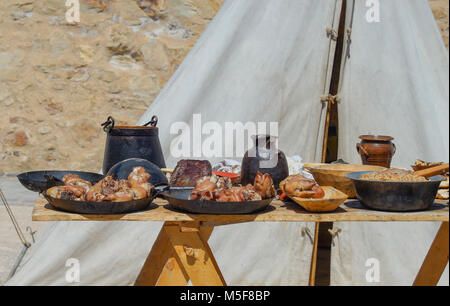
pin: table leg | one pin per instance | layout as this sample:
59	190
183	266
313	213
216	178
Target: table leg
194	254
159	255
173	273
312	272
162	267
436	260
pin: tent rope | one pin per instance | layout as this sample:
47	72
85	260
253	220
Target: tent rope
14	221
349	34
332	33
330	99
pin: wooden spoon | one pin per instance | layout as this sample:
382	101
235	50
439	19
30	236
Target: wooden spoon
429	172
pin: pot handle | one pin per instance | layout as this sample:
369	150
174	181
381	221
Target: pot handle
395	149
152	122
108	125
360	149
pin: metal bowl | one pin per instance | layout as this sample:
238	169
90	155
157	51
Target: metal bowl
395	196
122	170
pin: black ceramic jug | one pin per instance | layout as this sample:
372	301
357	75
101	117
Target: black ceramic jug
265	158
124	142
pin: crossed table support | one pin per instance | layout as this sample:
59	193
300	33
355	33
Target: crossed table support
181	252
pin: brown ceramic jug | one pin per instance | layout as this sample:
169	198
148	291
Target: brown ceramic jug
254	161
376	150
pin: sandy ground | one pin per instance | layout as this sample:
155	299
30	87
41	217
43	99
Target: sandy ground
21	203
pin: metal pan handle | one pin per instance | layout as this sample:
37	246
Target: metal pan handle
108	125
152	122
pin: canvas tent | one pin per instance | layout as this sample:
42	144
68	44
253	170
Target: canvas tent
271	61
394	82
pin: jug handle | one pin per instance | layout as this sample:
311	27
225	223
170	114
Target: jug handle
108	125
152	122
360	149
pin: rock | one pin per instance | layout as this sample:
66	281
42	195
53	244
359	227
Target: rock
4	92
80	75
8	101
155	55
107	76
124	62
51	156
58	86
17	15
54	108
20	139
10	64
51	7
154	8
45	68
23	5
87	53
19	119
127	11
59	43
44	130
121	40
23	160
145	87
93	6
86	130
27	8
113	89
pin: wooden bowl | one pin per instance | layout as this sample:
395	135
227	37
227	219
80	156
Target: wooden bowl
334	175
331	201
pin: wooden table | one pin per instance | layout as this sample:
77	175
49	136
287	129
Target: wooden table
181	251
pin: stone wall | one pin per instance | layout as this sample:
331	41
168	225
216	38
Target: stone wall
58	81
440	10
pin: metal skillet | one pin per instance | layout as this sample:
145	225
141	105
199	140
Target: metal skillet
40	181
179	199
100	208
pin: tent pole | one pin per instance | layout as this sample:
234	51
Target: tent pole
322	237
325	135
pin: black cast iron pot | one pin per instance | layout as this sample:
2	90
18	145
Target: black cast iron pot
124	142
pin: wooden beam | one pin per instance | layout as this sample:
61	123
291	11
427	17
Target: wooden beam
312	271
160	253
195	256
436	260
173	273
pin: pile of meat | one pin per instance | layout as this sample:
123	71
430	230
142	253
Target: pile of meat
188	172
134	188
301	187
220	189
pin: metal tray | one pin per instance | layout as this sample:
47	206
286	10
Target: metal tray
395	196
179	199
100	208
